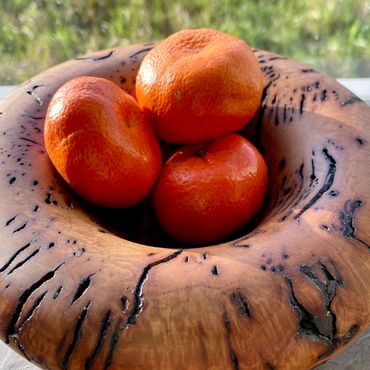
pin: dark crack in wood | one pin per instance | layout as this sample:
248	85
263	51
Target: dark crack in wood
113	344
21	263
322	327
36	118
329	276
34	94
328	288
12	180
262	110
81	289
10	221
233	357
285	111
300	172
347	220
138	292
313	177
49	199
301	104
76	336
308	70
324	95
107	319
351	100
360	141
124	303
140	52
277	58
214	270
293	199
13	257
276	119
241	304
307	326
340	341
24	298
20	228
241	243
96	59
29	140
57	292
33	309
329	180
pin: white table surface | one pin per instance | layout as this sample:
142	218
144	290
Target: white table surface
356	357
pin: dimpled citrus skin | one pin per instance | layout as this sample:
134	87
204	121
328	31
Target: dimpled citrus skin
199	84
208	190
101	143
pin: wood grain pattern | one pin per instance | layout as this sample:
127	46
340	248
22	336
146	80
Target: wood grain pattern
79	289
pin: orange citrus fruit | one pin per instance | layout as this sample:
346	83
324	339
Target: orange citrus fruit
208	190
199	84
101	143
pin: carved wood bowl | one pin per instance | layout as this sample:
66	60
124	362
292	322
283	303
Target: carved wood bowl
86	288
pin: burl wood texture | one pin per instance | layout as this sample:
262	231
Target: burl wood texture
289	292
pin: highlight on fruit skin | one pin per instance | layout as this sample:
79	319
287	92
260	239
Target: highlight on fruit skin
101	143
199	84
208	190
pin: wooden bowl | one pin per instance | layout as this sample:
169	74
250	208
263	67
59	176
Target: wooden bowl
86	288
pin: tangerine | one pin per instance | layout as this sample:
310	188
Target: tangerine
199	84
208	190
101	143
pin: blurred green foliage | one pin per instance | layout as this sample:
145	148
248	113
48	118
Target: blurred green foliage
332	35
